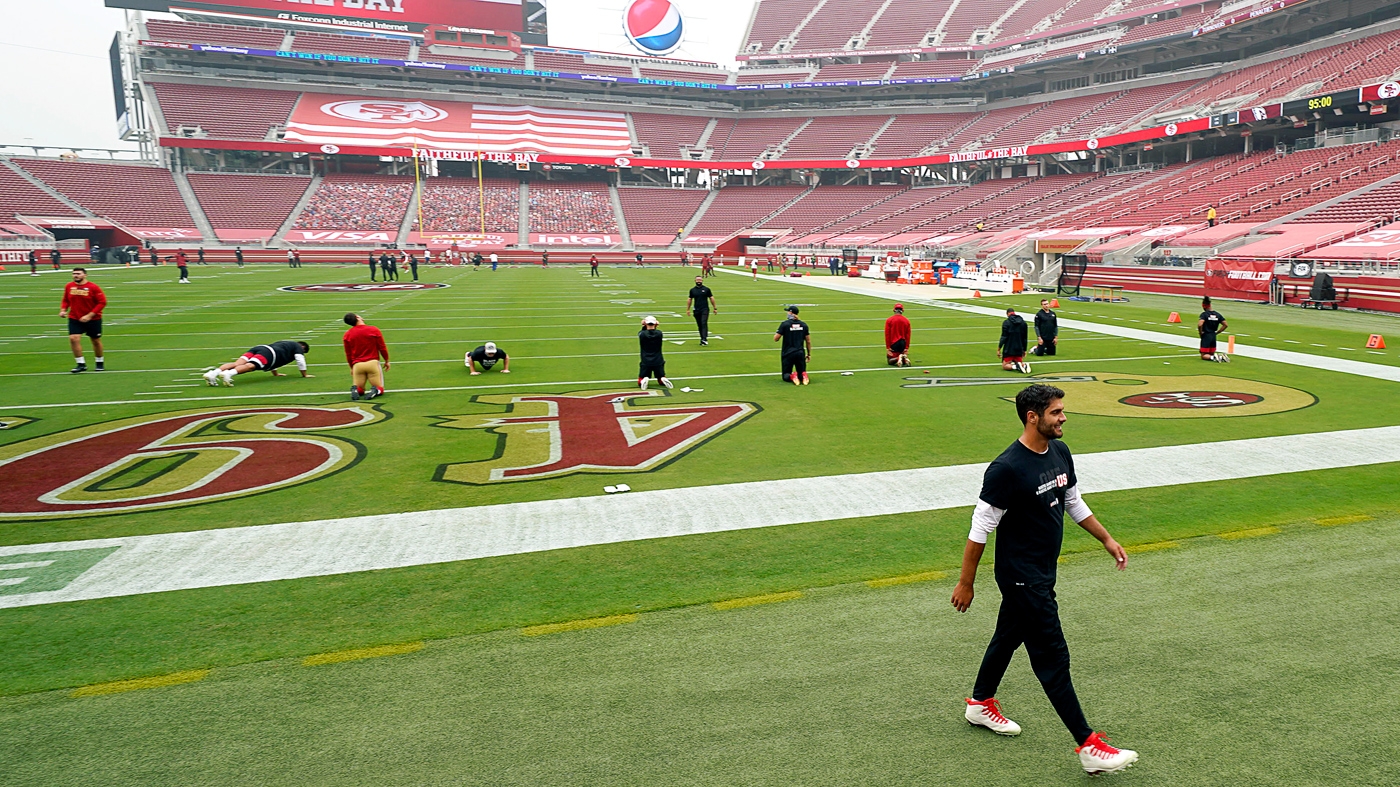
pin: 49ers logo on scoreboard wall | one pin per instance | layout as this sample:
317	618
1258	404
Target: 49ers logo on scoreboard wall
175	459
546	435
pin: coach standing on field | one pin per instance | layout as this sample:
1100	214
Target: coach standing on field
1025	494
83	302
700	302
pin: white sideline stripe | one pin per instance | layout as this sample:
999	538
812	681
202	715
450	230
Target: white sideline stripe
266	553
1344	365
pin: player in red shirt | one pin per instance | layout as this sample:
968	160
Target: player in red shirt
83	302
364	346
897	336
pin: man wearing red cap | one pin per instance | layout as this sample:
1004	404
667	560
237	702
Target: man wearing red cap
897	335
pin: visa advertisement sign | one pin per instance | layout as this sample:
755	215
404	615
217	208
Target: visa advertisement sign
709	31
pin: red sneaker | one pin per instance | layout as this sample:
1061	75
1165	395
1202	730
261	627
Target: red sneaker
805	379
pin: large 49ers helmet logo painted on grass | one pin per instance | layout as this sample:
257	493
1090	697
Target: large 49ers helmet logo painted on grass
175	459
544	435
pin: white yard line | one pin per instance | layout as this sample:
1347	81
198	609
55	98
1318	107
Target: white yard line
266	553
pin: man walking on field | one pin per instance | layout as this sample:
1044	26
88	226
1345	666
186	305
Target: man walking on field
364	346
82	304
1025	494
699	302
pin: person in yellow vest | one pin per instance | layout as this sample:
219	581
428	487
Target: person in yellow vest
1210	216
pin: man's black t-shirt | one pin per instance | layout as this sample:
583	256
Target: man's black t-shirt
1212	320
650	342
1047	324
701	295
479	355
1013	337
794	332
1031	488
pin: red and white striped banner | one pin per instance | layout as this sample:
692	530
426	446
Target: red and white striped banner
332	120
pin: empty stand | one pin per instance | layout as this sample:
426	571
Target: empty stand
834	137
255	202
905	23
1168	27
455	205
750	137
738	207
665	134
357	202
827	204
911	69
759	77
130	194
571	207
715	77
204	33
909	134
834	25
19	196
986	127
576	64
853	71
774	20
224	112
659	211
361	46
1382	204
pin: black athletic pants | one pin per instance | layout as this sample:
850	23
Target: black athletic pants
1046	349
795	363
702	323
184	273
373	266
593	270
646	369
1030	616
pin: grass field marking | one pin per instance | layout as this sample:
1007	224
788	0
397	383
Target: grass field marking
906	579
561	384
1251	532
579	625
1330	521
358	654
1151	547
137	684
753	601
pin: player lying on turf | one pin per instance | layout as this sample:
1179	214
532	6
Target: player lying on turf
265	358
486	356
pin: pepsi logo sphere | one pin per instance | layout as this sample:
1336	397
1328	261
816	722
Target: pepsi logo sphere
656	27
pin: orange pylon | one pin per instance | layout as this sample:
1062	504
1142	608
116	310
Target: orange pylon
1174	317
1376	342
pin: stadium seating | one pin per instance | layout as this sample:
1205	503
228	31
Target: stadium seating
735	140
714	76
204	33
665	134
224	112
515	61
255	202
1382	204
659	211
905	23
738	207
360	46
834	137
764	76
909	134
827	204
576	64
19	196
985	128
131	194
967	19
571	207
454	205
1167	27
911	69
853	71
834	24
773	21
357	202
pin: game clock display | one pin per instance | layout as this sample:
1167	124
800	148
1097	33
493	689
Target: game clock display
1345	101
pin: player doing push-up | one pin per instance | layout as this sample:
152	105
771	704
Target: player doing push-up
264	358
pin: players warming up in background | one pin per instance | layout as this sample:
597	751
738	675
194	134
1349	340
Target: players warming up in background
264	357
182	262
1047	330
1026	493
649	339
699	302
364	346
1210	323
55	258
898	333
238	255
797	347
1011	348
486	356
83	302
592	265
413	265
33	263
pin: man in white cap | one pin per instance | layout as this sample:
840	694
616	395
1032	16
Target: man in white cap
486	356
649	338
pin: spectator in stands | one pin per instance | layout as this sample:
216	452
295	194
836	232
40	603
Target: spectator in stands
238	255
55	257
1210	216
981	225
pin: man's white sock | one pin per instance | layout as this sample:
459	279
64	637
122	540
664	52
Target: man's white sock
98	359
82	360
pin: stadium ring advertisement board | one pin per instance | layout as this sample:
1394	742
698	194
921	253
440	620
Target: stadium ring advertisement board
379	16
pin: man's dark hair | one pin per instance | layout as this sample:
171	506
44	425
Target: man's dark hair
1206	301
351	318
306	348
84	270
1035	398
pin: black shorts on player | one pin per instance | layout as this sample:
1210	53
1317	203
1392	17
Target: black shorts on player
794	363
91	329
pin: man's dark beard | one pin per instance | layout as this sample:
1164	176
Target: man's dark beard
1046	430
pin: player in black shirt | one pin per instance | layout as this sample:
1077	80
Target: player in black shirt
264	357
486	356
1047	330
1208	325
649	338
797	347
373	266
1025	494
699	302
1011	348
55	257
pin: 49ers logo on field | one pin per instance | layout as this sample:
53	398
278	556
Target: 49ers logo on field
1187	400
178	459
545	435
366	287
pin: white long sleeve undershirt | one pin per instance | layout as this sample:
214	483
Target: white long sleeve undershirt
986	517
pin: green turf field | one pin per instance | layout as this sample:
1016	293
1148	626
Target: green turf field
424	446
